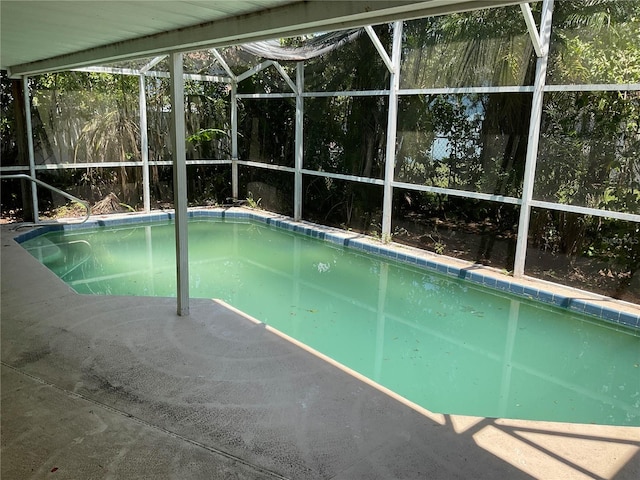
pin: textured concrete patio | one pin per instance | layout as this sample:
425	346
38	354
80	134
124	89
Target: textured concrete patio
121	387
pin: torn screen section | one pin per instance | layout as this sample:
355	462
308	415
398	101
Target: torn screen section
311	48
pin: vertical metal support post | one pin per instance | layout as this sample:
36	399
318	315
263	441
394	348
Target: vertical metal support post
32	161
299	147
234	140
178	136
144	142
392	124
533	140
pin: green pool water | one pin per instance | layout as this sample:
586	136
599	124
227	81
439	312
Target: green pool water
443	343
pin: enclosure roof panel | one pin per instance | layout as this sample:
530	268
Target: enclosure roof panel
37	30
39	36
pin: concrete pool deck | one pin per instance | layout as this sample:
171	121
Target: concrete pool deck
121	387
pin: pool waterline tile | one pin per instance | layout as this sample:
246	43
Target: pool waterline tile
403	254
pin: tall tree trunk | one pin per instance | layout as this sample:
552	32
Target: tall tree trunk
21	142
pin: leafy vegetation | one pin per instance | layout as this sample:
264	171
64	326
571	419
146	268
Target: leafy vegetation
589	144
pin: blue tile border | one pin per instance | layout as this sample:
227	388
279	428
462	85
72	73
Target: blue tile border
362	243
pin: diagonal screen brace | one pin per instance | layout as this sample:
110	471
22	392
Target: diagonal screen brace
531	27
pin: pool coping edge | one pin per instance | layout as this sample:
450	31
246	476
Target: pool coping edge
603	308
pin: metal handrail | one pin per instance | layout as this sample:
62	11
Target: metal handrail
24	176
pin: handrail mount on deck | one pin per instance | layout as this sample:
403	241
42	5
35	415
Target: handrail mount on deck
24	176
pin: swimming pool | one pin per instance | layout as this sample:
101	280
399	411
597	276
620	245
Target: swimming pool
447	344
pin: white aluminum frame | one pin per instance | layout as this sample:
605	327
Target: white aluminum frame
144	143
533	140
531	28
178	135
31	153
299	147
392	129
540	40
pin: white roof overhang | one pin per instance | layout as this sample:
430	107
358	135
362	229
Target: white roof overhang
45	36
